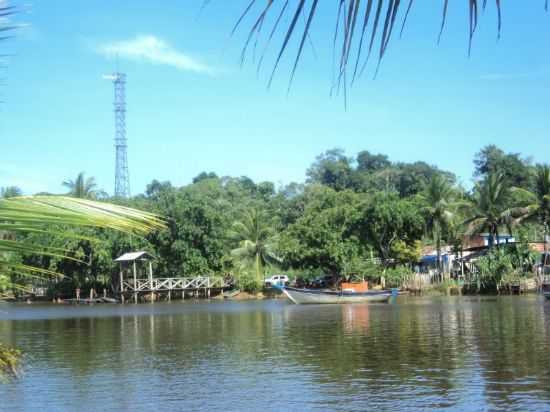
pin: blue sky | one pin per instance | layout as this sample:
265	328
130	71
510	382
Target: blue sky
192	108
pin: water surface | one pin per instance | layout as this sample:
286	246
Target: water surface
454	354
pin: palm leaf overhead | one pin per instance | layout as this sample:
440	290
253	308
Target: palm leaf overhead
361	27
21	215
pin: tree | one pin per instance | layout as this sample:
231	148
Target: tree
491	159
324	236
368	162
413	177
490	208
83	188
254	238
204	175
197	217
438	197
10	191
156	188
386	219
538	209
332	169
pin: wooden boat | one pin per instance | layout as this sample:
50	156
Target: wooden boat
312	296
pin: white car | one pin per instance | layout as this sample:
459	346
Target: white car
277	280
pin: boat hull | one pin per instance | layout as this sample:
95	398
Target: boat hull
311	296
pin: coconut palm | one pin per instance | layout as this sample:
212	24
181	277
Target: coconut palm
538	209
39	214
83	188
490	208
439	210
255	238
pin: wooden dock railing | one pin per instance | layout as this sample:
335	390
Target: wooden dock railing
167	285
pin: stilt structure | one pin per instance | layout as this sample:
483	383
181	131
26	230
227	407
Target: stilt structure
136	278
129	260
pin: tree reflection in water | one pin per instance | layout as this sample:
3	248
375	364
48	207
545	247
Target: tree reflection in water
439	353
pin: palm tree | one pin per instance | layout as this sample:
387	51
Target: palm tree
32	214
83	188
255	238
490	208
538	209
438	196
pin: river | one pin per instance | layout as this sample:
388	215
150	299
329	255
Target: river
419	353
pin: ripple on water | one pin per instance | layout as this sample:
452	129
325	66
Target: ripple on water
440	354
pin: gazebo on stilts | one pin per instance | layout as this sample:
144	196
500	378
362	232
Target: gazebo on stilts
136	276
128	264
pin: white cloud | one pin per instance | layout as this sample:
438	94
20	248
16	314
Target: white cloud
151	49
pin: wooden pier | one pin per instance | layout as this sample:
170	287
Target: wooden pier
131	284
200	285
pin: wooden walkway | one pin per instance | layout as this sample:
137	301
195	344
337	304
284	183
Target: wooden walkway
206	284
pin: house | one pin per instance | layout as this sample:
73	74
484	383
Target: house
483	240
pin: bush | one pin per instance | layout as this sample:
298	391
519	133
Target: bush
504	265
246	280
395	277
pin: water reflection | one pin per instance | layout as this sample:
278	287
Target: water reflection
452	354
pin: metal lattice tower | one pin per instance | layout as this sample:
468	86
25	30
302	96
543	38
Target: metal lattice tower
122	175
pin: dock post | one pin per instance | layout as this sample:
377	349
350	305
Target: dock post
121	283
135	284
151	281
169	295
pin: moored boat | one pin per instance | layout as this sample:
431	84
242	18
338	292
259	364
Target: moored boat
312	296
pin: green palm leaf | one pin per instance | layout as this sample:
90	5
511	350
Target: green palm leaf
21	215
346	16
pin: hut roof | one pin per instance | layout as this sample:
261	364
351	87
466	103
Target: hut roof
129	257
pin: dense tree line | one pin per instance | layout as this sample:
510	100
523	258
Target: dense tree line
362	214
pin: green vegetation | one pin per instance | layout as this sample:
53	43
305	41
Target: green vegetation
505	266
255	250
83	188
439	211
360	215
28	229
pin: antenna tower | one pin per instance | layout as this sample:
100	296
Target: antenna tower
122	176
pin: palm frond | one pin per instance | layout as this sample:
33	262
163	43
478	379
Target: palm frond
40	213
348	29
